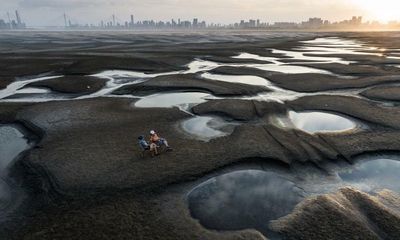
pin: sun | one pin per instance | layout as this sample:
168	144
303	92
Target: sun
382	10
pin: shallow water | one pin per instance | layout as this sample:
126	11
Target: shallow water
250	199
16	86
277	66
334	45
15	92
12	143
31	90
206	128
314	122
250	80
168	100
299	56
243	199
371	175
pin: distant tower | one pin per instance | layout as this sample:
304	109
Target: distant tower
9	20
113	19
132	20
19	22
65	20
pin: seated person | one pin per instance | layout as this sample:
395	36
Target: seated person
155	139
146	146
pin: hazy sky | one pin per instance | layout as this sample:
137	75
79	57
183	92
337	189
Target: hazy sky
49	12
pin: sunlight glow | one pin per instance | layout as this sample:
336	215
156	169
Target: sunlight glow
382	10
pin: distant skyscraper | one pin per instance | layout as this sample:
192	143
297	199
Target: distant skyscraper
195	22
9	20
65	20
19	22
132	21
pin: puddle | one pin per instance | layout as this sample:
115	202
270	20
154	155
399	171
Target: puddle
202	65
16	86
15	92
207	128
250	199
314	122
372	175
250	80
247	199
277	66
337	46
39	97
12	143
117	79
31	90
299	56
183	100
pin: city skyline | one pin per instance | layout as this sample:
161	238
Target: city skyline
313	23
50	13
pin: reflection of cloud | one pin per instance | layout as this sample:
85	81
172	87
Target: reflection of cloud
320	121
375	174
243	199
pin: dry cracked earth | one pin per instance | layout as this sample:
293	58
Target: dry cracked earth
275	135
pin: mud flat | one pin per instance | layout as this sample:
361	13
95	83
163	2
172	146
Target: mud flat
237	109
189	82
385	93
72	84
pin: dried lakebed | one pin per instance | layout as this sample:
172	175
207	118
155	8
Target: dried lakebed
306	105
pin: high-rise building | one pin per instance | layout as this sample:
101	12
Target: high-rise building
195	22
9	20
65	20
19	22
132	21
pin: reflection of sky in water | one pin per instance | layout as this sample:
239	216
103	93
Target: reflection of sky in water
373	175
169	100
12	143
243	199
250	80
252	198
120	78
336	46
300	56
13	87
206	128
277	66
33	90
313	122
